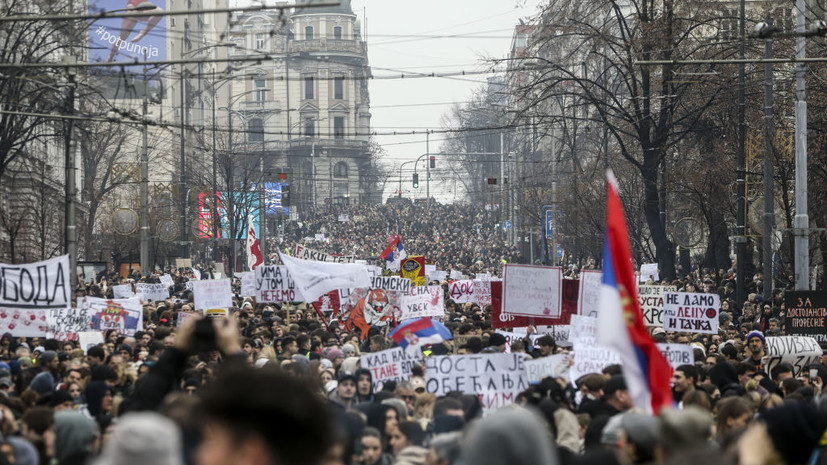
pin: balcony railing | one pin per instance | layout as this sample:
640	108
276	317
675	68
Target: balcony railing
328	45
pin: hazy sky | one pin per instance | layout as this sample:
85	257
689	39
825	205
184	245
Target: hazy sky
395	31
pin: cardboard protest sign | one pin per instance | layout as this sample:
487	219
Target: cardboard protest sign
155	292
806	311
589	356
391	283
691	312
389	365
554	366
589	292
532	290
437	275
413	268
800	351
41	285
183	263
126	316
214	293
495	379
651	302
64	324
507	320
248	283
457	275
182	317
122	291
422	301
88	339
167	280
483	276
649	271
678	354
461	292
306	253
482	292
274	284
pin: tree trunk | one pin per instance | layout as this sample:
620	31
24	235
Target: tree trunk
651	207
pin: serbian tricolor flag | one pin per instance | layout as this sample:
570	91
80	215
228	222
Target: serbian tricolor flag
421	331
254	257
645	369
394	253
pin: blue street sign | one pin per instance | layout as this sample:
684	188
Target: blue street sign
507	224
549	223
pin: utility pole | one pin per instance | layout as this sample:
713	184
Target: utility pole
769	172
182	178
428	170
230	188
145	184
802	221
740	234
214	195
70	218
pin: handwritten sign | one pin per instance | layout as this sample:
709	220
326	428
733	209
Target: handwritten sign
183	263
23	322
495	379
122	291
274	284
677	354
691	312
649	271
248	283
422	301
651	302
167	280
36	285
461	292
532	290
507	320
64	324
806	312
800	351
589	356
391	283
589	292
554	366
482	292
89	339
214	293
306	253
155	292
389	365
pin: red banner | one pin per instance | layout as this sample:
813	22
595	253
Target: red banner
503	320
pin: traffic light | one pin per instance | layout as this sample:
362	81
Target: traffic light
433	162
416	180
285	195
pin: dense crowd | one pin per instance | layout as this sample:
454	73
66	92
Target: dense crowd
277	384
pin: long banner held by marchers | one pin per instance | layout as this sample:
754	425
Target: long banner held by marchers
495	379
274	284
45	284
691	312
306	253
315	278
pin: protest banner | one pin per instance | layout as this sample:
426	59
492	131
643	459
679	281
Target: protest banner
507	320
691	312
391	283
389	365
413	268
589	292
495	379
457	275
554	366
422	301
89	339
248	283
482	293
314	278
214	293
649	271
155	292
437	275
483	276
677	354
806	311
799	351
429	269
122	291
23	322
167	280
273	284
532	290
589	356
126	316
306	253
43	284
64	324
651	303
183	263
461	292
373	270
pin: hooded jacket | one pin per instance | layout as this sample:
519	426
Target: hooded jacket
509	435
73	437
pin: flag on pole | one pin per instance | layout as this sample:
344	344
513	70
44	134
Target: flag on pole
254	257
394	253
647	372
414	333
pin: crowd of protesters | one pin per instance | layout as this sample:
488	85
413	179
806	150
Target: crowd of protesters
275	384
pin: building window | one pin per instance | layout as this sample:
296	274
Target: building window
261	91
340	170
339	127
255	130
337	32
308	88
309	126
261	41
729	24
339	87
308	33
